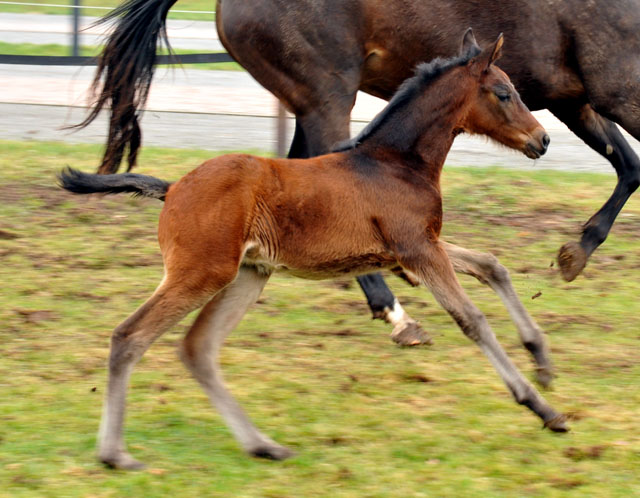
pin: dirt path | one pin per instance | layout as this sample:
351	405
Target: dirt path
186	108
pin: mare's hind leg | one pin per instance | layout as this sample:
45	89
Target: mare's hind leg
319	86
200	350
432	266
315	134
166	307
299	148
604	137
406	331
488	270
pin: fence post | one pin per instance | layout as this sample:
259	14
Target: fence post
75	35
281	133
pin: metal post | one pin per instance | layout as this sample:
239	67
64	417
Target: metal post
281	133
75	40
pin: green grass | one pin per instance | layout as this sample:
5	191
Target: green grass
50	49
187	5
367	419
90	51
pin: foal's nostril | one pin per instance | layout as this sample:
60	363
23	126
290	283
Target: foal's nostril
545	141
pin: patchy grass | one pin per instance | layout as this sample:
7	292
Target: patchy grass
367	418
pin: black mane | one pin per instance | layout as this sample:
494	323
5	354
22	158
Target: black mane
425	73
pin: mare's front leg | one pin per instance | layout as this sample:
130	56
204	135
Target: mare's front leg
200	350
488	270
604	137
430	263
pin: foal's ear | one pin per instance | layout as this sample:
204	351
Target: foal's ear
469	47
497	50
489	55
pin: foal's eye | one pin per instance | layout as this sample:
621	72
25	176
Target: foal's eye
503	96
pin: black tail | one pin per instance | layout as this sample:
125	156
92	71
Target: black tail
127	67
86	183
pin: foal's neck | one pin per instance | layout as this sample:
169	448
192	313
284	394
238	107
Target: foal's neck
421	134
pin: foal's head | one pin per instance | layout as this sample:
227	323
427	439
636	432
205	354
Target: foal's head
496	108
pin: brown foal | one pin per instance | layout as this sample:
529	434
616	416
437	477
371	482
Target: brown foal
374	204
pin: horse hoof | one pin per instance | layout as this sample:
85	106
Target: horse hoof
122	461
410	334
557	424
572	259
272	452
544	376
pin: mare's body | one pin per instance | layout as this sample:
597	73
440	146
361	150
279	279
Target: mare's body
579	59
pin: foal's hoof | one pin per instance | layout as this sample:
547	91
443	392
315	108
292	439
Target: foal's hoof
544	376
557	424
410	334
122	461
272	452
572	259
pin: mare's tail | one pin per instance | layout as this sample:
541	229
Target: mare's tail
124	75
86	183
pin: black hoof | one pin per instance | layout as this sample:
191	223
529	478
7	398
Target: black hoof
272	452
572	259
557	424
123	462
411	334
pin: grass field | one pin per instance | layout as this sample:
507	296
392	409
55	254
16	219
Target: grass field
201	9
92	51
63	50
366	418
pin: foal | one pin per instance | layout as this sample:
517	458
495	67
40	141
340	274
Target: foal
227	225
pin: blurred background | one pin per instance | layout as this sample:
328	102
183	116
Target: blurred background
215	106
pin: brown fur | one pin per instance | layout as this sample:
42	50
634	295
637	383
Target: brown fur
275	211
227	225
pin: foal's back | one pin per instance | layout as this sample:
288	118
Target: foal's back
317	218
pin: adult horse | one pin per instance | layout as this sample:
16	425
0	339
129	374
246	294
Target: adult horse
234	220
578	59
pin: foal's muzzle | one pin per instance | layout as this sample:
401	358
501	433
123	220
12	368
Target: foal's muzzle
537	147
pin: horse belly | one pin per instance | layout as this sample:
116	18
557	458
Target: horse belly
317	265
348	266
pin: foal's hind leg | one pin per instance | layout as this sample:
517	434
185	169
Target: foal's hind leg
129	341
432	266
200	354
487	269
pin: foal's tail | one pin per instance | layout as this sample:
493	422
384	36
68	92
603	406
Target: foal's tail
86	183
127	66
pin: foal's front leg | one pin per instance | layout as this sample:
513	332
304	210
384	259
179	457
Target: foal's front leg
432	266
487	269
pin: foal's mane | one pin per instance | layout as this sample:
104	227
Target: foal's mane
425	73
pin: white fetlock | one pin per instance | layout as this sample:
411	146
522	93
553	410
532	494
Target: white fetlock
406	331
